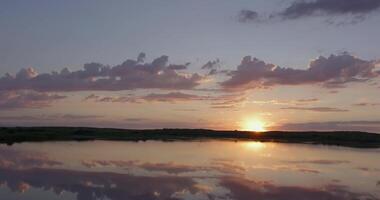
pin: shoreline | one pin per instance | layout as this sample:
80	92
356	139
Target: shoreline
355	139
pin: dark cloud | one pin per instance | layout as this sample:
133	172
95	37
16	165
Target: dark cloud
131	74
248	16
303	8
27	99
349	11
213	67
316	109
312	171
372	126
366	169
332	71
307	100
212	64
364	104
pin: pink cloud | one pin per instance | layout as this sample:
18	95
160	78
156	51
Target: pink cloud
333	71
131	74
27	99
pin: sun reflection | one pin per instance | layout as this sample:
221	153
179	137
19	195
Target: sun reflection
255	146
253	125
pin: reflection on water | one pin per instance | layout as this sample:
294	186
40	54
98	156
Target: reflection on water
187	170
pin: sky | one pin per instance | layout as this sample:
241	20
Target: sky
219	64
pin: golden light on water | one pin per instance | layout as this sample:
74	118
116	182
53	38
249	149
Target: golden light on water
255	146
253	125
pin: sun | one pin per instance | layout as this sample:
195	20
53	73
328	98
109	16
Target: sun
254	125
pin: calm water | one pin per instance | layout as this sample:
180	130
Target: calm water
187	170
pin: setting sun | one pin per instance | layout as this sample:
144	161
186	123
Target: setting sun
253	125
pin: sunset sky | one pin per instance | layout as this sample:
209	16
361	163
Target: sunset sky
220	64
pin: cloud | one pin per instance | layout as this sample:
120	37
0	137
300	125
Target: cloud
319	162
52	117
312	171
299	9
221	167
97	185
223	101
248	16
349	11
10	158
332	72
316	109
100	121
366	169
245	189
107	163
307	100
133	119
27	99
288	102
112	99
363	104
372	126
229	101
131	74
172	97
213	67
88	185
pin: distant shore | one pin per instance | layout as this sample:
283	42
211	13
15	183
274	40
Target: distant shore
11	135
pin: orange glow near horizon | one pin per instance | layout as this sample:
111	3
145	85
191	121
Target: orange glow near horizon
253	124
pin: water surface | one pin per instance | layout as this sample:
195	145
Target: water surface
187	170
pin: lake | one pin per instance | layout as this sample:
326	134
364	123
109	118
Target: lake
187	170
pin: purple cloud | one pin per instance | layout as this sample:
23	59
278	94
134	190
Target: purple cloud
27	99
332	71
97	185
131	74
244	189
